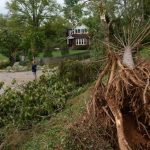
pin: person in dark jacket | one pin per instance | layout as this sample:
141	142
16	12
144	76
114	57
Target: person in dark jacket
34	69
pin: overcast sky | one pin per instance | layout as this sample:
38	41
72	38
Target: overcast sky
3	6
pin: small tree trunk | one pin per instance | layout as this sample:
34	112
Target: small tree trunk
128	58
123	144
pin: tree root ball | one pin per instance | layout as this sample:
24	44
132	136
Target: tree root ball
121	105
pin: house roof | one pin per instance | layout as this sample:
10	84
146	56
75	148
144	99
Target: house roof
81	27
70	37
78	27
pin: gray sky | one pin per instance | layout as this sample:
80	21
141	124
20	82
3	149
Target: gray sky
3	6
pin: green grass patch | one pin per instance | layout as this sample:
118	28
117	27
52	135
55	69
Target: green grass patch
57	53
3	58
4	61
71	52
145	53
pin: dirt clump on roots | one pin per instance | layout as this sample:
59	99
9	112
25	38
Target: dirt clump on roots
119	111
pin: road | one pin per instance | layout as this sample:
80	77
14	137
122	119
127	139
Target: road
20	77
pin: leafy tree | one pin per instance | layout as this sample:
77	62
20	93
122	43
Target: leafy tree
73	11
145	7
3	21
9	44
111	16
33	13
10	37
55	32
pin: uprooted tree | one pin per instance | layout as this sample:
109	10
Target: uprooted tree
125	97
122	103
128	86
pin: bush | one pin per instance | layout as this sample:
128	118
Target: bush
81	47
34	101
64	51
48	53
4	64
24	63
78	72
4	61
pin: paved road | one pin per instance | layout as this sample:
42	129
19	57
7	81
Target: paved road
20	77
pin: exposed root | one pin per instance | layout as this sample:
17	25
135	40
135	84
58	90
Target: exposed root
127	92
119	109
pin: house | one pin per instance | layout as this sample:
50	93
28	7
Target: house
78	37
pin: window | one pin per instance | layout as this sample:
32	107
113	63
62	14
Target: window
82	30
81	41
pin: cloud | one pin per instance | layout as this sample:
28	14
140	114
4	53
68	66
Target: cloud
3	6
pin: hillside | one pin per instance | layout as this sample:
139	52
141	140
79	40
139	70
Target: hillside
50	134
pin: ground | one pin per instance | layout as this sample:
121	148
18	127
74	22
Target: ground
50	134
20	77
71	52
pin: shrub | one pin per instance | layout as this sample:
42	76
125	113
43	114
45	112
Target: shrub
4	64
35	100
24	63
64	51
48	53
80	72
4	61
81	47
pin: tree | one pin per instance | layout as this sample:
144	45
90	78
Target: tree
33	13
9	43
55	31
10	37
111	16
73	11
118	93
3	21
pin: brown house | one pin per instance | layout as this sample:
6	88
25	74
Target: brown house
78	37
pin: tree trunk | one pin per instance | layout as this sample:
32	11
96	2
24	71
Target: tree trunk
128	58
123	144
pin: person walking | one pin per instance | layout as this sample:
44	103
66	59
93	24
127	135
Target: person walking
34	69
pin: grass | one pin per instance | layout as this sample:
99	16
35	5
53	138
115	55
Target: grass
145	53
51	135
4	61
3	58
57	53
71	52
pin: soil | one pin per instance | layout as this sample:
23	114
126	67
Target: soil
133	135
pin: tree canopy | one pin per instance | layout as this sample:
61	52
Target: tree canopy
33	12
40	23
